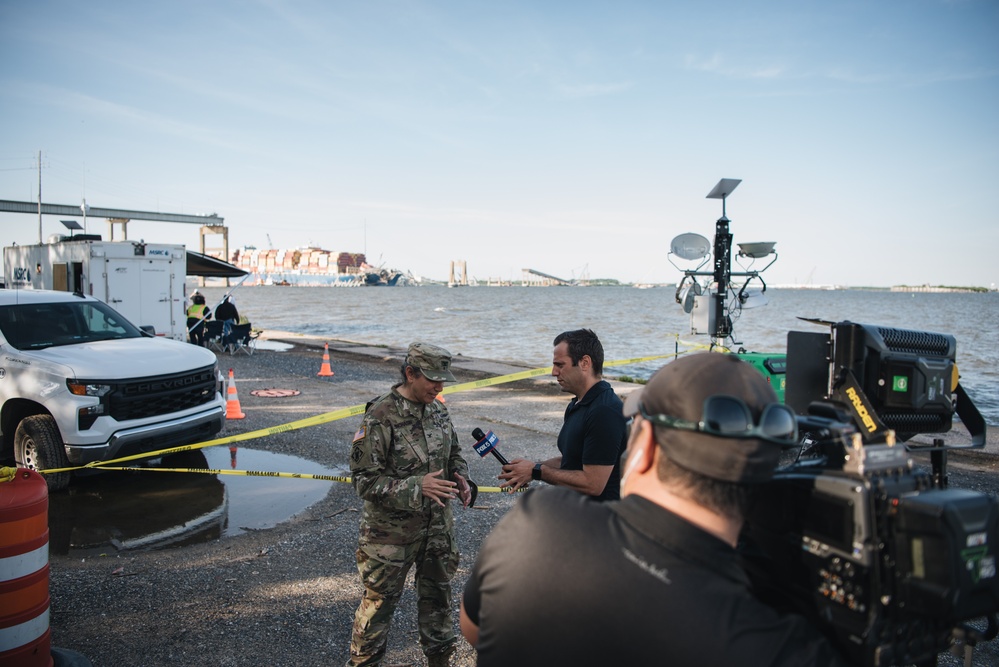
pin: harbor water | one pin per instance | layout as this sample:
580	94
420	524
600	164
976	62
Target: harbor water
518	324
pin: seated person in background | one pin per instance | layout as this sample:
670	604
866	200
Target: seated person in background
227	314
656	576
197	314
227	310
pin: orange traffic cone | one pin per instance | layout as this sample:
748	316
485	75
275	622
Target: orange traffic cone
440	397
325	371
232	409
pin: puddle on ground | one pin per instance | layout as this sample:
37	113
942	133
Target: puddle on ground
274	345
124	511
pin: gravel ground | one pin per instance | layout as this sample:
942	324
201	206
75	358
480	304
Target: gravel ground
286	595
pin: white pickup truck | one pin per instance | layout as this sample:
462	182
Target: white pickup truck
80	383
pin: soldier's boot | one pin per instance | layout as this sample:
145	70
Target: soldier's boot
442	659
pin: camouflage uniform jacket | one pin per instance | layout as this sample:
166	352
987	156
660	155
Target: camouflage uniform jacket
399	442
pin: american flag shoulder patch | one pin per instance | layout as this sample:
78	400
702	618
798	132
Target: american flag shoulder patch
360	433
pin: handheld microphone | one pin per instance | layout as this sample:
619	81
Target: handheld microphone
485	443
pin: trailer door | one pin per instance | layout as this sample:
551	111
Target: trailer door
157	300
123	288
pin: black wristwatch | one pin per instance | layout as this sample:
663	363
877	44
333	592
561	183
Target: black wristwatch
536	473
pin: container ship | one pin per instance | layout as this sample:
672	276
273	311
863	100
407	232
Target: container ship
313	267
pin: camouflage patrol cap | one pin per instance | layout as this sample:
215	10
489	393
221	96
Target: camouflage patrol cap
434	362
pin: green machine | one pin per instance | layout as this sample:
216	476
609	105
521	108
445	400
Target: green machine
773	367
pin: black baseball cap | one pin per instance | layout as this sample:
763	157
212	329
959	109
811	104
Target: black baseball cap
679	390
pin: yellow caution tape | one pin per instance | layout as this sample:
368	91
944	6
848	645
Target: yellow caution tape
335	415
238	473
267	473
496	489
251	435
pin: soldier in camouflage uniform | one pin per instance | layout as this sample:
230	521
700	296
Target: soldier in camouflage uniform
407	466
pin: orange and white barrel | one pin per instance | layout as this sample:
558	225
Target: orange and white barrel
25	640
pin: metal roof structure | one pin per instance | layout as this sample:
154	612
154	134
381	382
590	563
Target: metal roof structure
211	267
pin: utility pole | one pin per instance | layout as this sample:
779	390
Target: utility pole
39	197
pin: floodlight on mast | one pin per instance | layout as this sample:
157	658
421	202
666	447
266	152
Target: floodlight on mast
707	302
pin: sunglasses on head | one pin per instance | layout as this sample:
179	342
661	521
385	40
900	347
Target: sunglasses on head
729	417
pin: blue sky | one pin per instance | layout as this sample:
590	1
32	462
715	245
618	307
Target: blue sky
574	138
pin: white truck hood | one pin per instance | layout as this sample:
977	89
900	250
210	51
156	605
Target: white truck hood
125	358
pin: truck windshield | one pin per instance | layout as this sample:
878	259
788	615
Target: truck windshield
34	326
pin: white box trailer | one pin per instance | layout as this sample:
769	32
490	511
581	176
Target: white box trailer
142	281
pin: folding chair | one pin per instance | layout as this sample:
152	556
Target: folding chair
213	335
243	339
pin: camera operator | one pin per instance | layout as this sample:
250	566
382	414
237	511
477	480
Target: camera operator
654	578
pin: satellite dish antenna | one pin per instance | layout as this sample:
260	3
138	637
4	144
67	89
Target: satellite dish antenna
688	295
690	246
757	250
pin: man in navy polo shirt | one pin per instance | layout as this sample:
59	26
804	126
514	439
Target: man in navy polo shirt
594	433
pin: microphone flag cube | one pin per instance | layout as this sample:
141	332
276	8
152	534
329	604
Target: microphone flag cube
486	444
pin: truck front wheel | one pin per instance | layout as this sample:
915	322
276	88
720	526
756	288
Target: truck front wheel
38	446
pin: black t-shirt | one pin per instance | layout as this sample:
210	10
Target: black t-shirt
595	433
565	581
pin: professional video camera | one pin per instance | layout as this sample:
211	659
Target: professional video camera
894	566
